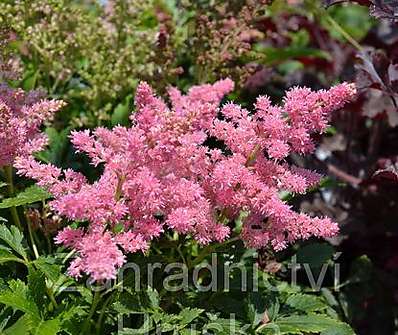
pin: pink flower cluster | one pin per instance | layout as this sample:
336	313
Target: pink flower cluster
21	115
164	172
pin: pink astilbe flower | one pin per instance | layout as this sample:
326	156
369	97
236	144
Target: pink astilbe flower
21	115
99	256
163	173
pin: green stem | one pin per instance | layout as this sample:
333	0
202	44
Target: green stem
96	299
11	193
32	240
49	244
102	314
346	35
69	255
50	293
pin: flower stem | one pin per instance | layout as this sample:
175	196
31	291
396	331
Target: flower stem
50	294
11	193
345	34
32	240
102	314
96	299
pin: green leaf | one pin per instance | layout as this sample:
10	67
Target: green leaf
186	331
13	237
354	19
302	324
48	327
121	113
29	81
3	184
6	256
51	271
153	296
255	308
144	329
278	55
37	286
342	329
222	326
30	195
187	315
68	314
58	143
316	254
21	327
306	303
17	296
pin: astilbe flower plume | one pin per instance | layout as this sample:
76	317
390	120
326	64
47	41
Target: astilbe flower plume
21	115
162	173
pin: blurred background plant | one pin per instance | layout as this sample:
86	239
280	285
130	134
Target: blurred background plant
93	54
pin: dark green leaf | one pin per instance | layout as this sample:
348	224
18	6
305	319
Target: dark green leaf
21	327
51	271
121	113
278	55
48	327
13	238
255	308
301	324
6	256
18	297
29	81
187	315
30	195
316	254
37	286
306	303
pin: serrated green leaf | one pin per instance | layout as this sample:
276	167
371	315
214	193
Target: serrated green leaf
7	256
30	195
51	271
153	296
20	327
144	329
255	307
342	329
273	307
70	313
121	308
187	315
306	303
222	326
329	297
13	237
37	286
17	296
301	324
47	327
